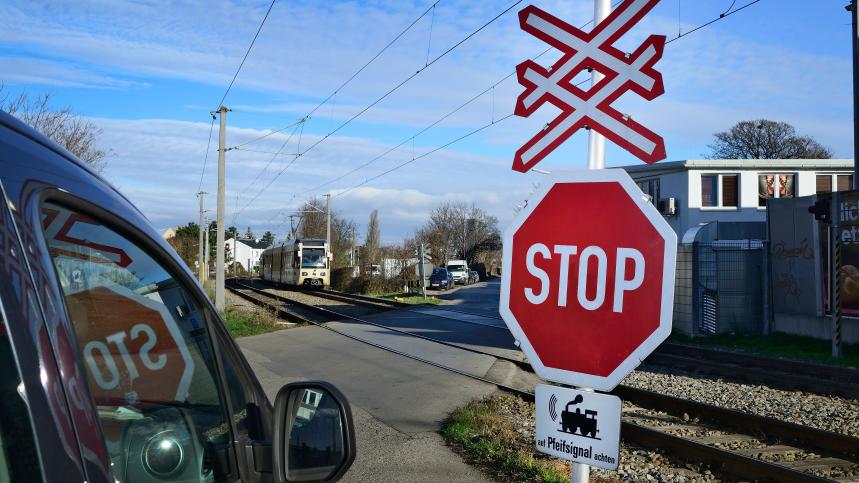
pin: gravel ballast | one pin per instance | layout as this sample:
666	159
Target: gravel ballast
828	413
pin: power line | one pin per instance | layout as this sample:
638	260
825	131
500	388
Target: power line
265	168
396	87
247	53
270	133
720	17
481	128
356	73
206	158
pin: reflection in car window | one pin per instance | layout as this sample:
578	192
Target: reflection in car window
18	458
146	351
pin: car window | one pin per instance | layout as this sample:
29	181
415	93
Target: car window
19	460
146	350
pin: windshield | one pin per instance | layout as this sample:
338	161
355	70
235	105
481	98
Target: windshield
456	268
439	272
313	258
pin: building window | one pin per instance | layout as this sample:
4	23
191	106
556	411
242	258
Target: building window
825	182
720	190
775	186
650	187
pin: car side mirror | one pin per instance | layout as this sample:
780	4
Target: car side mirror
314	437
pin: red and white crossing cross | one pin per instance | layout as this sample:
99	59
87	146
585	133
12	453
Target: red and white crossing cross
592	108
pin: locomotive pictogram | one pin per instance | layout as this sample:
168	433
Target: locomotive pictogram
575	421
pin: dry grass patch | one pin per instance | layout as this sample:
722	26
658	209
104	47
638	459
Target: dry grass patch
485	432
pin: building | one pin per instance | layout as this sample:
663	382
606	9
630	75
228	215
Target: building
695	191
245	252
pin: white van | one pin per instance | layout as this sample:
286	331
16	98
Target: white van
459	270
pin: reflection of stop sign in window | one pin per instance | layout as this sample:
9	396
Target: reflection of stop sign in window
588	281
131	346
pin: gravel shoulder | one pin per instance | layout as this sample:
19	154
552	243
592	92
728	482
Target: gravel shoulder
829	413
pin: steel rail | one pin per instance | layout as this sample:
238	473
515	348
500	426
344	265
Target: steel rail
730	462
339	315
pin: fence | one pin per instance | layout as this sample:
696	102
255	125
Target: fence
722	287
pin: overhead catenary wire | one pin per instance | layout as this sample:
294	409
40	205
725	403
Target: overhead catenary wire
356	73
206	157
391	91
247	52
485	126
265	168
433	124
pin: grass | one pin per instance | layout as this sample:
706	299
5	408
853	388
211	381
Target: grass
778	345
489	439
410	298
245	322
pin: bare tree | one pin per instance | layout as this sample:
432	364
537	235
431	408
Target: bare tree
71	131
765	139
313	224
455	230
371	242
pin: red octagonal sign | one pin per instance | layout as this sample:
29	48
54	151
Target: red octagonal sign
588	283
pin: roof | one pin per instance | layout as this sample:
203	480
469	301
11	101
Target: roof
750	164
255	244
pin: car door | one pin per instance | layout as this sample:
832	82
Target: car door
152	364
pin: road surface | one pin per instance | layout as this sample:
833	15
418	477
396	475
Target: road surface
399	404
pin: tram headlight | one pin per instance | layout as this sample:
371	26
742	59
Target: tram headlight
322	273
303	274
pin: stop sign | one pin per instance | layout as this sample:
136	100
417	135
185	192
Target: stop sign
132	347
588	279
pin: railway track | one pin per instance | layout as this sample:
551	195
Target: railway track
780	373
738	444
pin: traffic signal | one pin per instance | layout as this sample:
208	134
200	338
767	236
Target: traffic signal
820	210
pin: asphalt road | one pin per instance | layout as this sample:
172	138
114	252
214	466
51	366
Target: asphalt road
399	404
480	298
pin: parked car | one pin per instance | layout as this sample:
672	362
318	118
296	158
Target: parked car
459	270
440	279
473	277
114	365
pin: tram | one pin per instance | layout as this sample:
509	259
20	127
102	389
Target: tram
300	263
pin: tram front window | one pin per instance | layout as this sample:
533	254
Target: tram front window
313	258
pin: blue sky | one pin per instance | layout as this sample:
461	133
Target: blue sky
147	73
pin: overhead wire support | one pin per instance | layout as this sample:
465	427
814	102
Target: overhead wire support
495	121
354	75
251	46
206	157
390	91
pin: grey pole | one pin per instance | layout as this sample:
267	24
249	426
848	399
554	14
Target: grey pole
854	14
580	472
206	253
219	249
200	247
328	221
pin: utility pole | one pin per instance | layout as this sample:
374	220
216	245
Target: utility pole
206	253
200	247
854	14
328	222
219	249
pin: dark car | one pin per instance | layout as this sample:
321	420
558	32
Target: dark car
114	365
440	279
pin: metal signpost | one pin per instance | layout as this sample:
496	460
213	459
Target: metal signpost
591	233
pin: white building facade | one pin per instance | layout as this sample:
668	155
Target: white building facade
245	252
689	193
